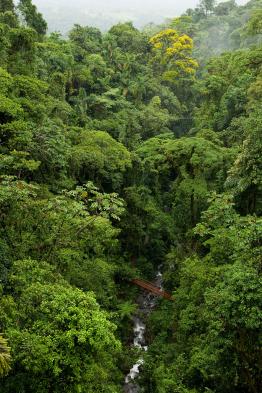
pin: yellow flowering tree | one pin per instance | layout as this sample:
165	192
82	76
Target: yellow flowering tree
173	54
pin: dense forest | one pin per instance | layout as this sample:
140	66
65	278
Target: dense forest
120	152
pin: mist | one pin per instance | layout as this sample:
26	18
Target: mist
62	14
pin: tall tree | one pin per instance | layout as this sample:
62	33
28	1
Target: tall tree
207	6
172	54
6	5
32	17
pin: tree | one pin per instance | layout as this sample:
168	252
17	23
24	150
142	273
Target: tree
32	17
189	166
5	356
84	116
128	38
62	340
207	6
96	155
7	5
215	324
172	54
225	8
154	119
254	25
245	176
22	51
184	25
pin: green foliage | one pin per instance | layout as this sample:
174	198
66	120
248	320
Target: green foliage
97	155
173	52
245	176
224	27
191	166
207	6
85	39
254	25
6	5
225	7
62	328
119	154
217	314
32	17
4	356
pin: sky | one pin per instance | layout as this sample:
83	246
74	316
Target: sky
62	14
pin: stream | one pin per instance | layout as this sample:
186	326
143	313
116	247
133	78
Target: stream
146	303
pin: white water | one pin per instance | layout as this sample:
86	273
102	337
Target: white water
146	303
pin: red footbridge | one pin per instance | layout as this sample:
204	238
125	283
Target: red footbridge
149	286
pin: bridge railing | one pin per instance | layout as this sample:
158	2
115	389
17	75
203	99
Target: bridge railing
152	288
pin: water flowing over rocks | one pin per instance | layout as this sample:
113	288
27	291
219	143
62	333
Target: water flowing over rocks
146	303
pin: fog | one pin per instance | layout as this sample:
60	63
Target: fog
62	14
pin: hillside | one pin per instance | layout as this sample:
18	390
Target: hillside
131	157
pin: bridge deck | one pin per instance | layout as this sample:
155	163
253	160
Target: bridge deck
152	288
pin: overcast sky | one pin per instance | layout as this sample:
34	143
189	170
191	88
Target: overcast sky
60	14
